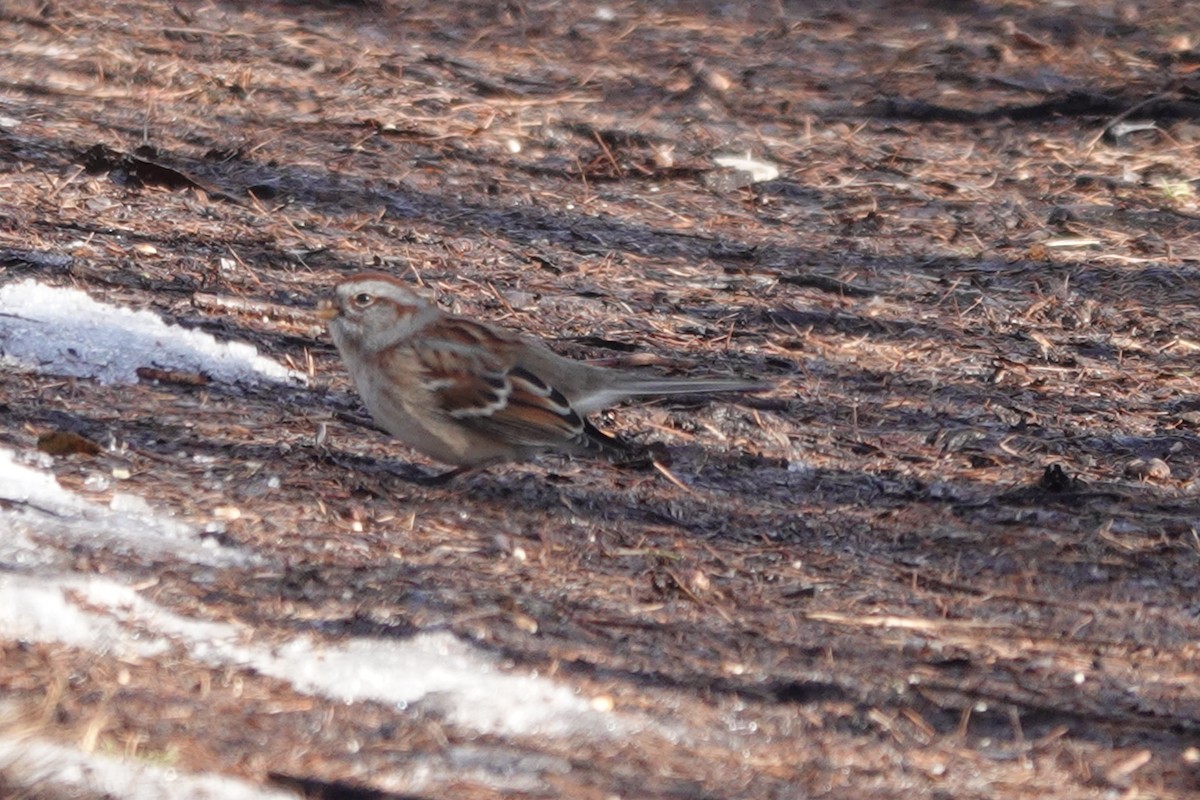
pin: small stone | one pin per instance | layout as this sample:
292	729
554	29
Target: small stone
1154	469
603	703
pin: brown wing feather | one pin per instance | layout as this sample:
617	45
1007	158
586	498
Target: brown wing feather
541	416
473	375
465	382
511	405
469	333
539	409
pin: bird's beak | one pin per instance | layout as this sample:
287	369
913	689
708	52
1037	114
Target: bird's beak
326	310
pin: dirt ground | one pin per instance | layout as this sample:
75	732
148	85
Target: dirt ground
953	554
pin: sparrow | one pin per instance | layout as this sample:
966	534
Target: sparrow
468	393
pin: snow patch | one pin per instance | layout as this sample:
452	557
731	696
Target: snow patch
39	610
39	513
43	767
65	332
465	684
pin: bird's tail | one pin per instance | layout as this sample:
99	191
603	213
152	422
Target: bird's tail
638	386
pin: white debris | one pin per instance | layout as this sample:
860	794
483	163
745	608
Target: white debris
759	171
65	332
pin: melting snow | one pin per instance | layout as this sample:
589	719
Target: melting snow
65	332
463	683
60	771
42	511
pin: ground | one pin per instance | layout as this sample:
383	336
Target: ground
953	553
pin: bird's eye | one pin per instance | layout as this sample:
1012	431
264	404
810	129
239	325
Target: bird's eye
363	299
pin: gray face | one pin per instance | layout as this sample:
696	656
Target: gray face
372	314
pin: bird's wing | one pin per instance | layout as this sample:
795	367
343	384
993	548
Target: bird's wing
471	371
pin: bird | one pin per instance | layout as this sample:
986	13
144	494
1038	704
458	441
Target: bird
468	393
